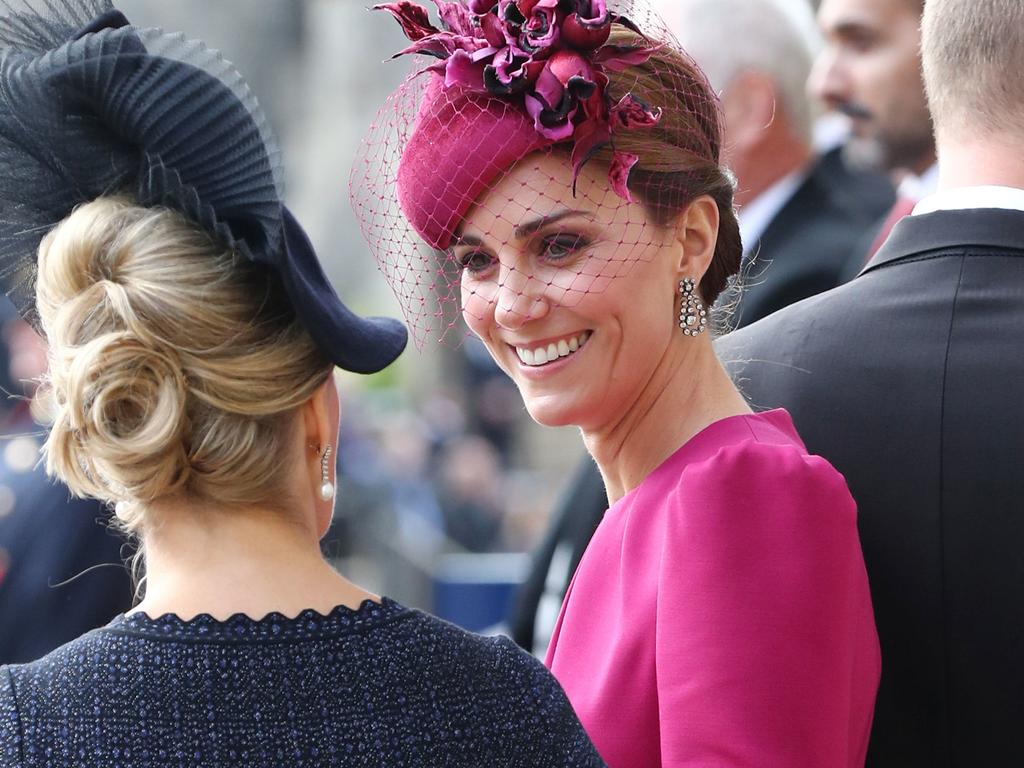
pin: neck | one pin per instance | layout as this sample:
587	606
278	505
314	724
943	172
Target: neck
222	561
980	161
688	391
774	155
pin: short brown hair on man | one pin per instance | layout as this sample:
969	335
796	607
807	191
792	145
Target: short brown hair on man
973	57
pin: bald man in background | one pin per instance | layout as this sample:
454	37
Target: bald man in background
801	215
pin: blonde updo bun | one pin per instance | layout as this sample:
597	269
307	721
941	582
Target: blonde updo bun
175	365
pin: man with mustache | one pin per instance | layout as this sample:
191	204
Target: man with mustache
870	70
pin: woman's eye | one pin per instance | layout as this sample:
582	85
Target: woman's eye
562	246
475	261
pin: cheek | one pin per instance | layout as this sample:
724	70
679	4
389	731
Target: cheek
477	301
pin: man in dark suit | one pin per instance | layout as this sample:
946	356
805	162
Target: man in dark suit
910	380
806	246
800	214
870	71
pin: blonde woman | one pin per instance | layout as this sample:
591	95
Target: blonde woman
192	340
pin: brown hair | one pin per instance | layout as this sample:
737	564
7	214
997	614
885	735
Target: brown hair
680	158
973	54
176	366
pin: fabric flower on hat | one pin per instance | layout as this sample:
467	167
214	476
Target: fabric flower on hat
549	56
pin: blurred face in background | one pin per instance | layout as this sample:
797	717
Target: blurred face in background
573	295
870	70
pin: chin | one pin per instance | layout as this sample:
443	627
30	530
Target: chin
555	411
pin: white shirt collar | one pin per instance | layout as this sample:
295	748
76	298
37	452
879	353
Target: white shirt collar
967	198
757	215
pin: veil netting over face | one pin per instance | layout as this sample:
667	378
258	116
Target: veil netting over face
537	147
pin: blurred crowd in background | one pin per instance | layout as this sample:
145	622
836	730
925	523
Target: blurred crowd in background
445	485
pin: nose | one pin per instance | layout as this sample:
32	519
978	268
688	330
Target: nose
520	299
828	81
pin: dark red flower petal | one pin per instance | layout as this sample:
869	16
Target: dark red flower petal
585	37
567	64
492	29
620	57
456	17
413	18
481	7
632	113
618	173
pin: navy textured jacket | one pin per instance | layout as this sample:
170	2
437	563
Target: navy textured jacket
380	686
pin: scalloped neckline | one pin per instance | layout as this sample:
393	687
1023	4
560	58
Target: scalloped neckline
308	622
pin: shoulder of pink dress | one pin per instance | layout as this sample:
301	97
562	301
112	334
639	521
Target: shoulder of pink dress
752	477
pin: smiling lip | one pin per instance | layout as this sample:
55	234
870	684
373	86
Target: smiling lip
542	354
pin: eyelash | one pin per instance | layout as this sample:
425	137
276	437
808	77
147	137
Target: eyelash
465	261
569	244
555	248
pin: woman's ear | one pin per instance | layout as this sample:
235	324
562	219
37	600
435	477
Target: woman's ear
320	418
321	415
697	233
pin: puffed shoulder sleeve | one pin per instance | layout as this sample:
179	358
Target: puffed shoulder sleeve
766	649
10	723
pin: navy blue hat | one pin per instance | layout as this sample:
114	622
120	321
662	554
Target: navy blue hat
91	106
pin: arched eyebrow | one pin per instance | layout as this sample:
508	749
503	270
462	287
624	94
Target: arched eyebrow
524	231
476	242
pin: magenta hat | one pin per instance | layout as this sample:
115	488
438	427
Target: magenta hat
460	143
494	81
514	76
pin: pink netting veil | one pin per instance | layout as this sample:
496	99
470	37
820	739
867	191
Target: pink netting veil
538	150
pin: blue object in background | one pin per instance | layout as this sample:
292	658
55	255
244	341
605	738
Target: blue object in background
476	591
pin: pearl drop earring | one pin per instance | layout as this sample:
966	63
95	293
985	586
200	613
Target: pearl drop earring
327	487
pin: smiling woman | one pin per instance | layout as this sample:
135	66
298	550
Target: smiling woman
565	192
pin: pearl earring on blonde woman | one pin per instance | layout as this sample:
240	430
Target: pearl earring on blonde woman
326	487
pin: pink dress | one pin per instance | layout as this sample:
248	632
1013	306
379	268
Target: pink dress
721	616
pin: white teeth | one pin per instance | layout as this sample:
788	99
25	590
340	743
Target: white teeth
543	355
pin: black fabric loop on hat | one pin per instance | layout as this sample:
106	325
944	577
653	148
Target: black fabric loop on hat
112	19
90	106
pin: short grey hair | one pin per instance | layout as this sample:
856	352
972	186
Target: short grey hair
778	38
973	57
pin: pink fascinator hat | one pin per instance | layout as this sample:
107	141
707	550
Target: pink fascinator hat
513	77
495	81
